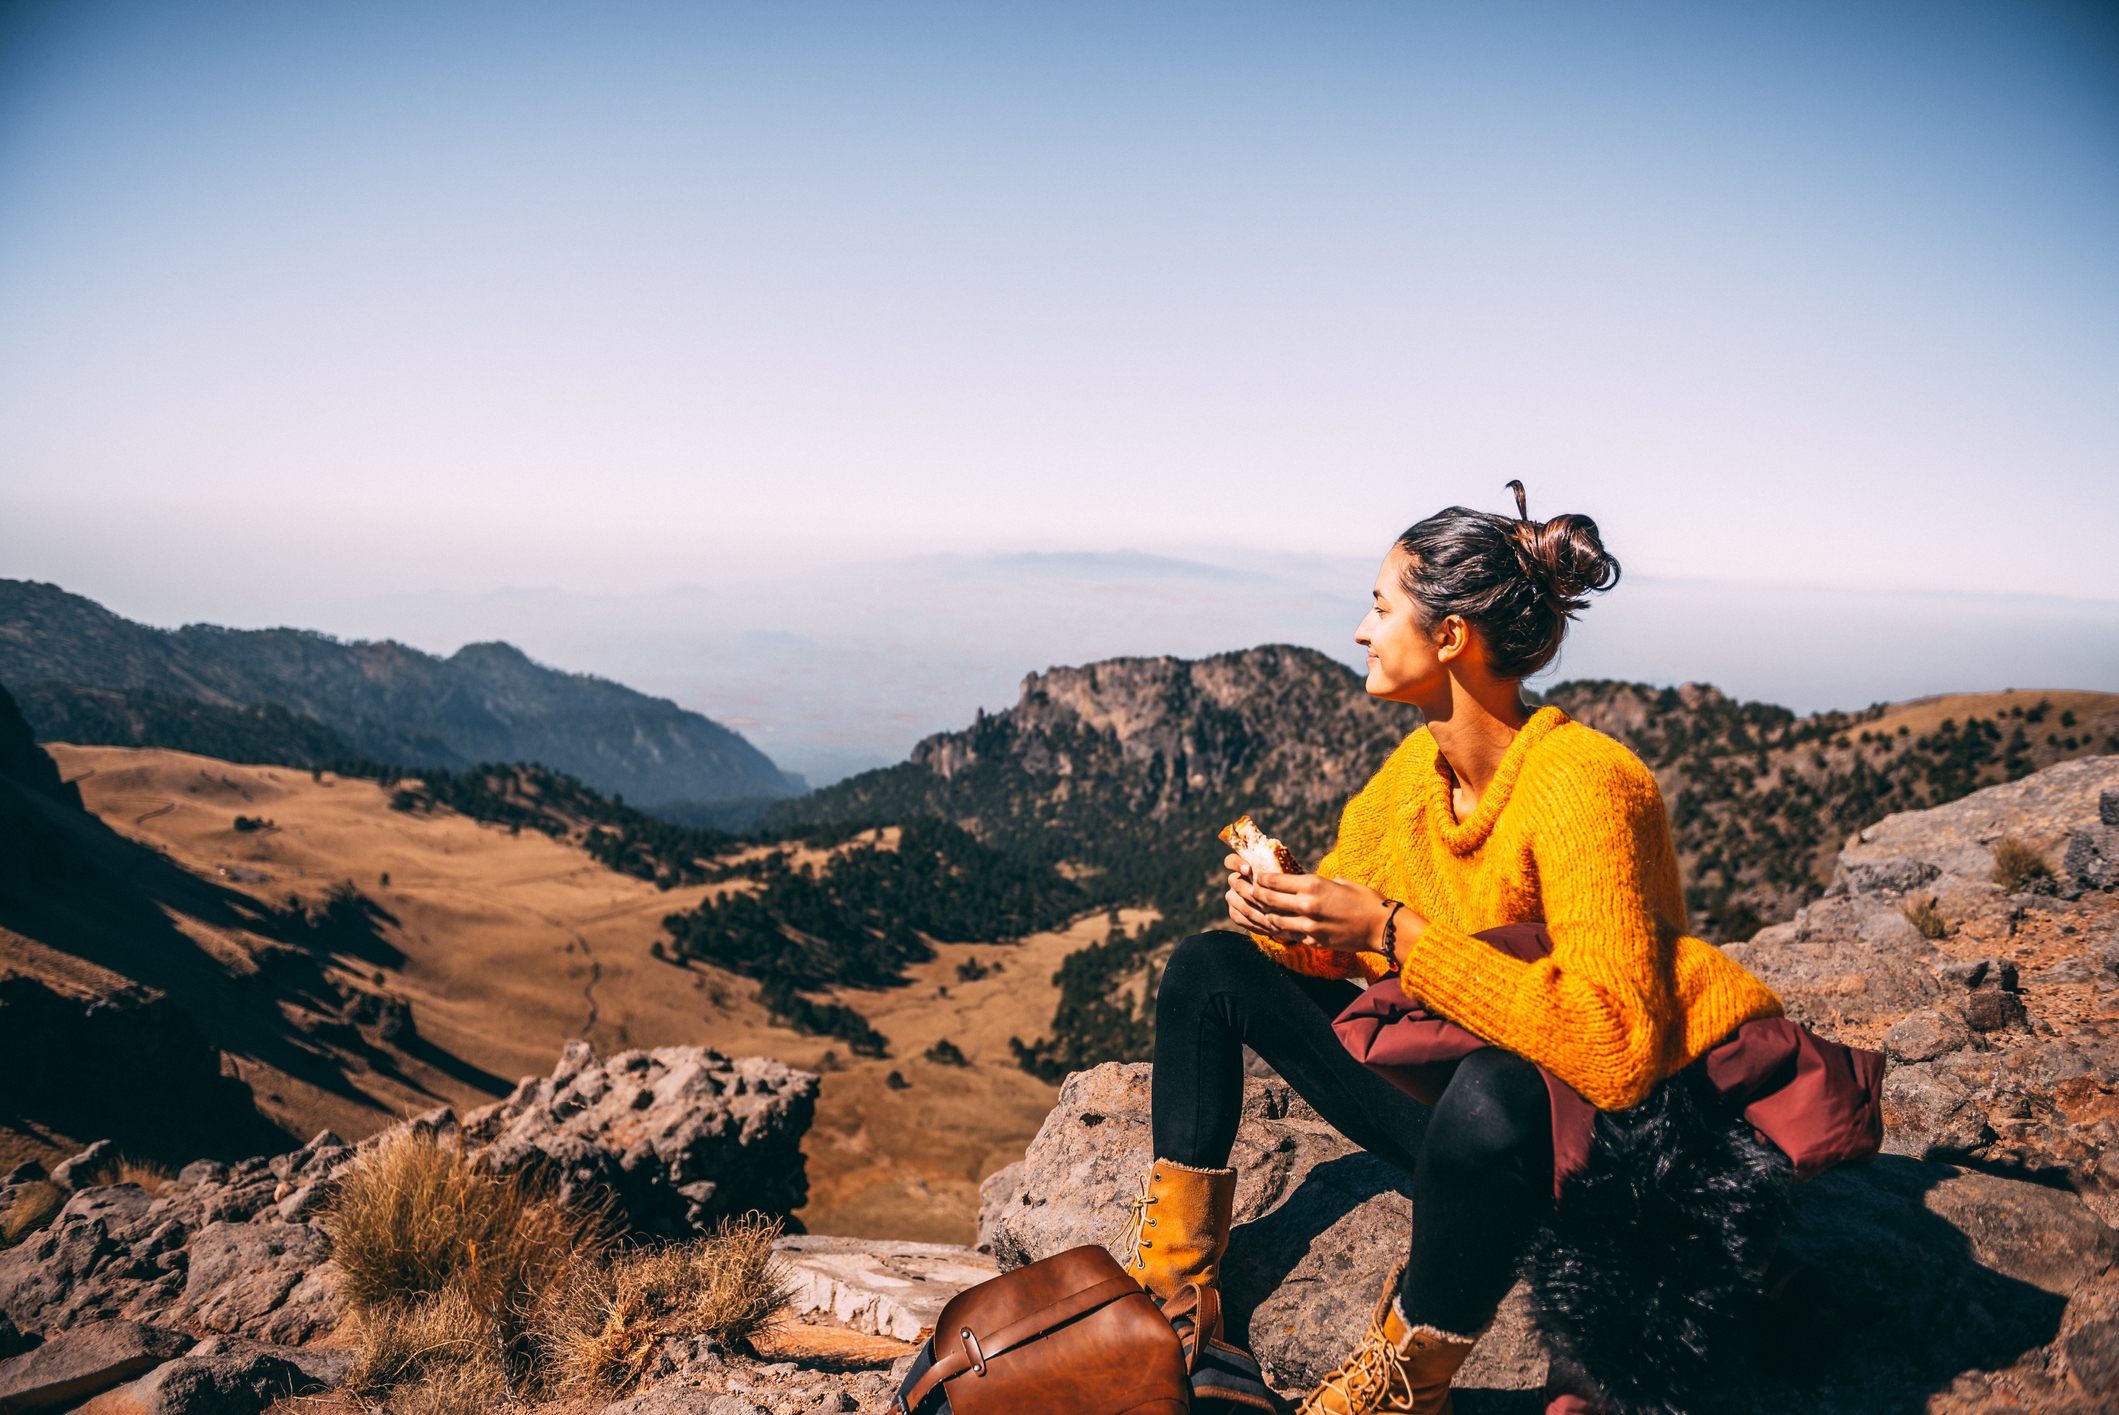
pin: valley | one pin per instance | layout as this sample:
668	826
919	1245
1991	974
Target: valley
505	944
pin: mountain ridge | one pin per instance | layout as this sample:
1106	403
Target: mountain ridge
486	702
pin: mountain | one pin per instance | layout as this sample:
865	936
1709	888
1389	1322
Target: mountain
486	702
1121	772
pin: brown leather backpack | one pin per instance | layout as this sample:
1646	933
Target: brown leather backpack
1071	1334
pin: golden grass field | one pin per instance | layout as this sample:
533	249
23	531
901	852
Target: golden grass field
514	943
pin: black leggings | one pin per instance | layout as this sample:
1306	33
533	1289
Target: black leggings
1480	1159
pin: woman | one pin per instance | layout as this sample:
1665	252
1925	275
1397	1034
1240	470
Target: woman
1490	814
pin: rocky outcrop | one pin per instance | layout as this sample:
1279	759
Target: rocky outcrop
2004	1028
678	1137
1919	1279
675	1139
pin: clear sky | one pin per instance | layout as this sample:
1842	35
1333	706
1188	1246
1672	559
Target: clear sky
304	299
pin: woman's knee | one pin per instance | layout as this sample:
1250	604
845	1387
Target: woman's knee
1203	965
1494	1114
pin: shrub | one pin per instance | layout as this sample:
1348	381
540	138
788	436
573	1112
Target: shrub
604	1329
2017	865
249	823
1923	915
36	1206
946	1053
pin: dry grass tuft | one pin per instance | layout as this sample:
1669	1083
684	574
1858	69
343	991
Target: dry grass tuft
604	1332
148	1175
444	1264
442	1356
2017	865
1923	915
33	1208
417	1219
470	1290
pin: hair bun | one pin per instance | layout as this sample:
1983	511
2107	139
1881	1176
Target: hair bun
1564	557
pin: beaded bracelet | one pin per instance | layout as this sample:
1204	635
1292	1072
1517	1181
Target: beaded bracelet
1390	935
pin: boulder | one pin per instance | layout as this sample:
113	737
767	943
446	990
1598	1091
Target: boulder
1915	1278
92	1357
679	1136
86	1166
226	1376
268	1281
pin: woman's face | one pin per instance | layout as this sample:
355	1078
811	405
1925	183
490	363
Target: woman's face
1405	661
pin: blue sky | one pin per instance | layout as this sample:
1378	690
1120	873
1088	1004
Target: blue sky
302	301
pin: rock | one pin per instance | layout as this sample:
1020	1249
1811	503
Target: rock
878	1286
2092	860
118	1205
44	1280
226	1376
79	1363
268	1281
1889	929
835	1402
1991	1009
13	1342
1956	839
679	1136
673	1399
2093	1357
1923	1036
86	1166
1975	971
1931	1115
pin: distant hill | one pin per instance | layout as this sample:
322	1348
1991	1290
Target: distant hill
486	702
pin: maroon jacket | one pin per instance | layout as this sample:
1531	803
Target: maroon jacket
1819	1101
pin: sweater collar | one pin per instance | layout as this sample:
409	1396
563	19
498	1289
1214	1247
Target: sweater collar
1466	836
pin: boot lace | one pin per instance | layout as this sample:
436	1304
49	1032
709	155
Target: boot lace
1366	1381
1135	1238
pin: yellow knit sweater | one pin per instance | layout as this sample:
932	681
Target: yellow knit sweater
1571	833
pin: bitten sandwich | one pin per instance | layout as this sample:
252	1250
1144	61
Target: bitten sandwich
1261	851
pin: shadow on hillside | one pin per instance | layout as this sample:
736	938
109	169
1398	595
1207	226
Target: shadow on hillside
456	1068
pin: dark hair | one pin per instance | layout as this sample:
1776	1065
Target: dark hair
1515	580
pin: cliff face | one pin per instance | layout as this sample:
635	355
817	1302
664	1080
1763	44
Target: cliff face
486	702
1127	768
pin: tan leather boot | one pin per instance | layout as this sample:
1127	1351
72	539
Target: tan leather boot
1180	1227
1396	1370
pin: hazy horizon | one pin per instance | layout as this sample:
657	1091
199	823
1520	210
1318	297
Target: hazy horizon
930	640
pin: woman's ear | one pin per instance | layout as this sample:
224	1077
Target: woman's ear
1453	638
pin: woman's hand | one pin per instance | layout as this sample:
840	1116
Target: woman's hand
1335	914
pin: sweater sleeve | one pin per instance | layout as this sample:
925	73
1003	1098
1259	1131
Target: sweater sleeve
1357	855
1599	1012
